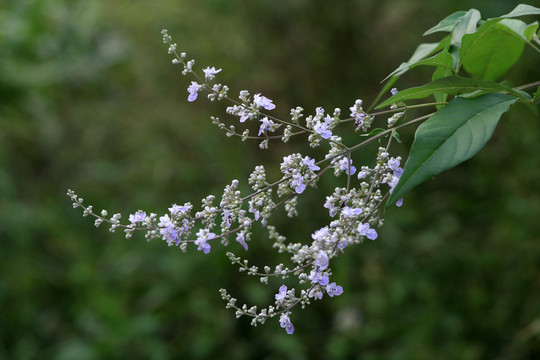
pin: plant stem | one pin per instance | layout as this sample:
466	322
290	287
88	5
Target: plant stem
526	86
407	107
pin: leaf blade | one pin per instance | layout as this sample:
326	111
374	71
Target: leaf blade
522	10
491	51
452	135
442	59
446	24
465	25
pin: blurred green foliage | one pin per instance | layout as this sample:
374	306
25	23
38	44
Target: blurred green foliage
90	101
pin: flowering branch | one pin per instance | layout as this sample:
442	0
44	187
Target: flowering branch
468	120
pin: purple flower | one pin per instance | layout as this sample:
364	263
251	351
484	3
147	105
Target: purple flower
209	72
333	289
287	164
265	126
202	236
285	322
322	260
241	239
139	216
227	218
280	296
310	163
393	164
317	278
332	209
342	244
165	221
245	114
298	183
169	234
175	209
321	128
300	188
167	229
179	231
320	234
185	225
204	246
263	101
192	90
393	183
394	91
345	166
351	212
357	113
365	230
395	179
256	213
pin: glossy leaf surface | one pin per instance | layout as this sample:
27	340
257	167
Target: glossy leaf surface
452	135
491	51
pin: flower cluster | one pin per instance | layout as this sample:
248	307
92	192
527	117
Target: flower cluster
300	170
354	208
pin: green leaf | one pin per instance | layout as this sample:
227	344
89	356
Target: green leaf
518	28
530	30
492	50
442	59
450	85
446	24
395	134
465	25
522	10
439	73
452	135
421	52
374	132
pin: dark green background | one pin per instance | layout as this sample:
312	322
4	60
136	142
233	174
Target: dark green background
89	100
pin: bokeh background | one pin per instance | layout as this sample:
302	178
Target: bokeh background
89	100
